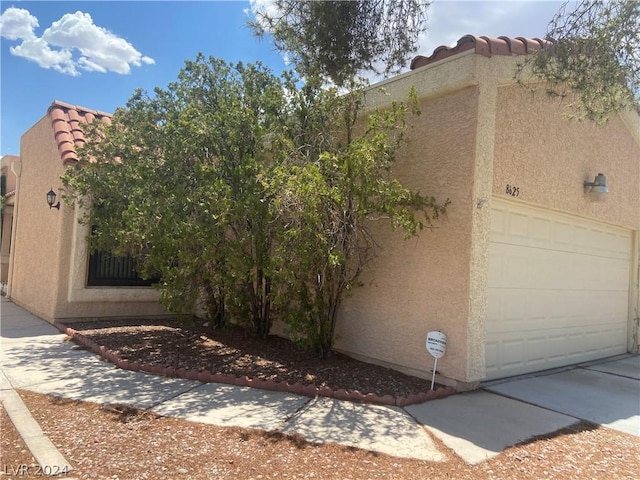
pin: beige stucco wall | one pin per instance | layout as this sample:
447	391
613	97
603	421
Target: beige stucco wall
50	254
422	284
477	132
548	157
34	281
438	281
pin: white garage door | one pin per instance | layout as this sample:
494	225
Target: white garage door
558	290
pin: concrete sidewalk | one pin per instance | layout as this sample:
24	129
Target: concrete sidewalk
476	425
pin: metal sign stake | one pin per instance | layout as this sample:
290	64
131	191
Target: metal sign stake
433	377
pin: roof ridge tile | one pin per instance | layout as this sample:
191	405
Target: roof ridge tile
67	121
483	45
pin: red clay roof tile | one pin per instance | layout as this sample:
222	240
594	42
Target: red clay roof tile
486	46
67	121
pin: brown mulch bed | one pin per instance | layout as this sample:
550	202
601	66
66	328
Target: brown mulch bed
120	443
234	352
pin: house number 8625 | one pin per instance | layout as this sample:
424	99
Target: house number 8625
513	191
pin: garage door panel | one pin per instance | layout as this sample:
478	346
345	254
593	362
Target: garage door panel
558	290
491	356
533	351
541	229
512	266
537	350
558	233
606	244
517	309
614	275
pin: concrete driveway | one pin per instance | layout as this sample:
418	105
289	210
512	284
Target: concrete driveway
606	392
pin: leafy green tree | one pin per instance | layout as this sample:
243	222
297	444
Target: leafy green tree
338	39
175	180
337	180
248	193
593	63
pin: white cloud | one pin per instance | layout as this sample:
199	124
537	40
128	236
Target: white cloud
37	50
16	24
96	48
86	64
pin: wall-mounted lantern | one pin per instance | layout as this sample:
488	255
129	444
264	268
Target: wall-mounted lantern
51	200
597	190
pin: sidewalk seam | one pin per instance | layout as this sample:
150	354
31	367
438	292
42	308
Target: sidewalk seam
156	405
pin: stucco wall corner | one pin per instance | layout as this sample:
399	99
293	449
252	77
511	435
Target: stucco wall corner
38	229
478	293
481	218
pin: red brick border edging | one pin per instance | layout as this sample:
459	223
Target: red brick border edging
205	376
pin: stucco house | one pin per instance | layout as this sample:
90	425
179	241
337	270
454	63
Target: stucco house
526	272
9	171
51	272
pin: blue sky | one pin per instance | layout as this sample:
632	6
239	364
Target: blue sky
95	54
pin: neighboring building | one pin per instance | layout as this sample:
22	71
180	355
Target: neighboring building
525	273
10	170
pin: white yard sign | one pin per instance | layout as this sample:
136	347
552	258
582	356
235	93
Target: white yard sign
436	346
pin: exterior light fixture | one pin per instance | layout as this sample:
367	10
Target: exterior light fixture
597	190
51	200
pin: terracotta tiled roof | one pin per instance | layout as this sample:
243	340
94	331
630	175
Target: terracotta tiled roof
486	46
67	121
